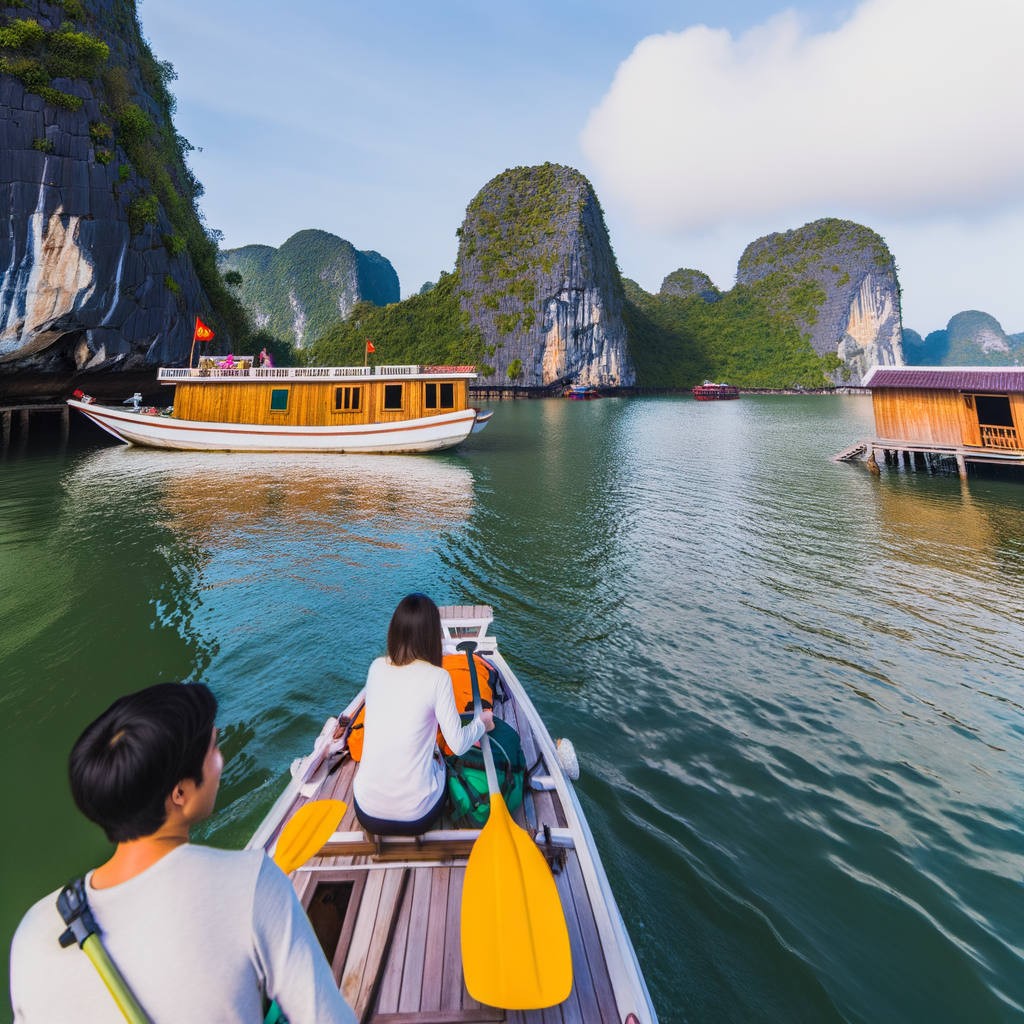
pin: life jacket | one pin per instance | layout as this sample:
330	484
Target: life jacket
467	777
457	667
356	733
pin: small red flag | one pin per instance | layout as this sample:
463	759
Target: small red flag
202	332
369	346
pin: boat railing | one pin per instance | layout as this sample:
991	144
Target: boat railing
308	372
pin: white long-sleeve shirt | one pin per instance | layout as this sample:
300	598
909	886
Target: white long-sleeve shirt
198	937
399	778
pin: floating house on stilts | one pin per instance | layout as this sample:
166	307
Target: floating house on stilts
923	413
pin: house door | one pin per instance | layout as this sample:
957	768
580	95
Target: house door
995	420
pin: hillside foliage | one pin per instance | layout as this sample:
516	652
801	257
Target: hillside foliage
430	328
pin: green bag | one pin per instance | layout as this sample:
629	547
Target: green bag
467	778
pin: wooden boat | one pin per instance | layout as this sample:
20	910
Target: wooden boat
387	909
711	392
313	408
582	393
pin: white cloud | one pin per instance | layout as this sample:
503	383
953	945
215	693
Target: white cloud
912	107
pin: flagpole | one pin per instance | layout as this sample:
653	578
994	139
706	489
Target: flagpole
195	331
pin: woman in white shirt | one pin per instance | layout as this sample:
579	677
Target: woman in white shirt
400	788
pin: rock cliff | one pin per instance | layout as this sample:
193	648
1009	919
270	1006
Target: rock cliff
104	262
971	338
538	278
685	283
839	280
314	279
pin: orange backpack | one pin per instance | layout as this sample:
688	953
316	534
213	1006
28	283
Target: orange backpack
457	667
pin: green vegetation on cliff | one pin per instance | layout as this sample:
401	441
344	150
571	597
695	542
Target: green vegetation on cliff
743	338
307	285
430	328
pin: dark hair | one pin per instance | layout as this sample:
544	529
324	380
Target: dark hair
415	631
126	764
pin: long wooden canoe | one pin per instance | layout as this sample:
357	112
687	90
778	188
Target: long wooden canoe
387	910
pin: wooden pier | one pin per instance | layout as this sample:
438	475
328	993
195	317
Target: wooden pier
25	411
915	455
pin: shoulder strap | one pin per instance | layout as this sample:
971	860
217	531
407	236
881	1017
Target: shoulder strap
73	904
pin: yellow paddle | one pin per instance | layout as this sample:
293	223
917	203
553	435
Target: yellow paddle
508	891
307	831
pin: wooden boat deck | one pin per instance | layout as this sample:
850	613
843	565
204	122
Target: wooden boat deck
388	913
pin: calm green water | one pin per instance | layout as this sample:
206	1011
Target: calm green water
795	689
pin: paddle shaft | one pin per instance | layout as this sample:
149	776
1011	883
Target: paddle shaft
485	741
126	1002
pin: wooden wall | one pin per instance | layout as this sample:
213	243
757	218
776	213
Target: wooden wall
933	417
309	403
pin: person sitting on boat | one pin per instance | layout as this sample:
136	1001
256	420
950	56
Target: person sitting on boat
198	934
266	360
400	788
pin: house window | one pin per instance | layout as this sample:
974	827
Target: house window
430	396
279	400
393	396
346	399
447	396
994	410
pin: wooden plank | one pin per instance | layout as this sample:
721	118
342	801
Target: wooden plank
415	950
451	975
391	982
437	920
484	1015
552	1014
584	994
362	934
591	941
371	939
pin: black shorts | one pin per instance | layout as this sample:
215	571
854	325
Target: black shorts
385	827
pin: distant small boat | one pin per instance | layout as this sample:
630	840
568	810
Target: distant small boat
711	392
582	392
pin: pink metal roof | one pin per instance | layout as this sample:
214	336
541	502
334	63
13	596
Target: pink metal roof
948	378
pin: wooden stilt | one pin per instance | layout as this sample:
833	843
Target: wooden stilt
65	422
7	426
24	424
961	465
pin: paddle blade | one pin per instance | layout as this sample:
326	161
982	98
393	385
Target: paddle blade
307	831
515	945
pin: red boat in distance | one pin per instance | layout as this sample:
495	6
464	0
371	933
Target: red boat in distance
711	392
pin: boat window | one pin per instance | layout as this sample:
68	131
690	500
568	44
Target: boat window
326	914
430	396
279	400
994	410
459	631
346	399
392	396
447	396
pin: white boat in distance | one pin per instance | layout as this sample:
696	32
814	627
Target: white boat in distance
355	409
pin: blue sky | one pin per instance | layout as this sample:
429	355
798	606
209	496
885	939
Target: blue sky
380	122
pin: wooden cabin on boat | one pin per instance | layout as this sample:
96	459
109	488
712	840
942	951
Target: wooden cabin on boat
387	909
313	408
319	395
972	413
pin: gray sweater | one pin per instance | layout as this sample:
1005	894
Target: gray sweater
199	936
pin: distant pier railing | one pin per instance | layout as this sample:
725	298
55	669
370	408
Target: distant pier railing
174	374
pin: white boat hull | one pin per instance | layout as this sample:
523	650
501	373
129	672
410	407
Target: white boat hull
429	434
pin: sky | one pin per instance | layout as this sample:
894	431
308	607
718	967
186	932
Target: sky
703	125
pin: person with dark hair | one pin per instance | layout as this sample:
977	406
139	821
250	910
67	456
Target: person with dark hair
400	786
199	934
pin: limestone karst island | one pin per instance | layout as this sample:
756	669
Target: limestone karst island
508	516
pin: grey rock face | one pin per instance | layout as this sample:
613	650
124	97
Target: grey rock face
77	289
849	270
313	280
539	279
